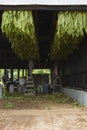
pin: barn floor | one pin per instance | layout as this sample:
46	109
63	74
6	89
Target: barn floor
48	112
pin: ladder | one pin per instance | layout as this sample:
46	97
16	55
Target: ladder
29	88
57	84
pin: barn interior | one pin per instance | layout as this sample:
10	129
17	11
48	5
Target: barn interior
73	71
45	23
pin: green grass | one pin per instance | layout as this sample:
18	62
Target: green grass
9	105
4	93
53	98
77	105
63	100
47	107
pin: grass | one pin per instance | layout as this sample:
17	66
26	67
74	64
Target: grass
48	98
9	105
77	105
57	98
47	107
63	100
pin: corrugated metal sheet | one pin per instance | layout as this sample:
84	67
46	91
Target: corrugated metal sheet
43	2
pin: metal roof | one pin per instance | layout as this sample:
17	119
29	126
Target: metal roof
43	2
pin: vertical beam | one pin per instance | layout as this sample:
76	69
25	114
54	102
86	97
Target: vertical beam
12	74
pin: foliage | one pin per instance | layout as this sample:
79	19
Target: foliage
69	33
1	73
41	71
4	93
18	27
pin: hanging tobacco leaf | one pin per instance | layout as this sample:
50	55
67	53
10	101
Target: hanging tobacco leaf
18	26
69	33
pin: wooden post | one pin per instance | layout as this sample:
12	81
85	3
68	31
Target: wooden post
30	65
56	69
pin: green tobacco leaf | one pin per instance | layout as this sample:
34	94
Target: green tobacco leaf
69	33
19	28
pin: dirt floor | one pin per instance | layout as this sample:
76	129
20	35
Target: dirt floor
42	112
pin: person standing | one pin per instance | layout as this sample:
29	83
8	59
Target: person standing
22	82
